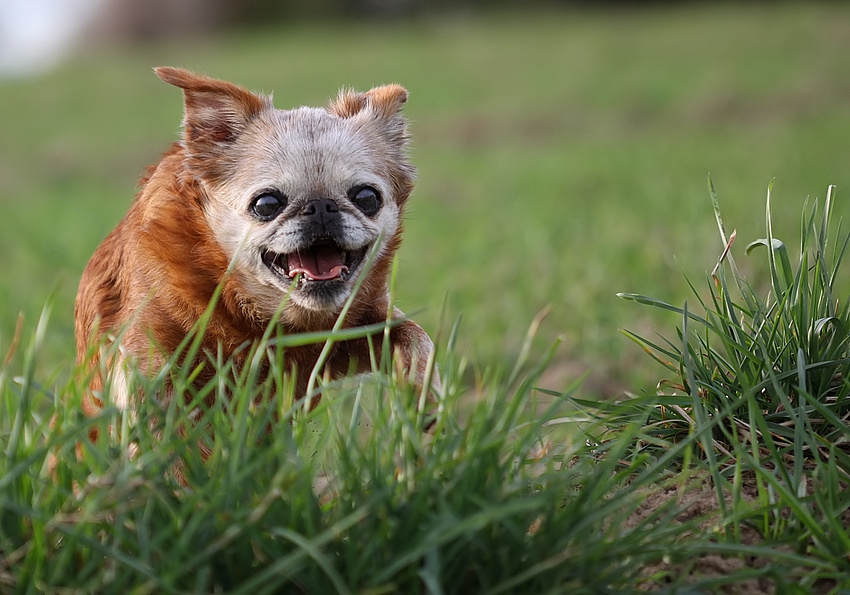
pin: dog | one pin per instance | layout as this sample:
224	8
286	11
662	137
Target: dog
279	211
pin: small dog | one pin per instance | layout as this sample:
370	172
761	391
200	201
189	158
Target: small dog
276	207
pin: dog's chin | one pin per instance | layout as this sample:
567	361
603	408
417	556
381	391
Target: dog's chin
318	278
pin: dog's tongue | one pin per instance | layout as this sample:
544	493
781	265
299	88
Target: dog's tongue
320	263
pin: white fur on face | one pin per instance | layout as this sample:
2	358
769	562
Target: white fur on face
304	154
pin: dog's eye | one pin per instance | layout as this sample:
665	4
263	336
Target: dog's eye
267	205
366	199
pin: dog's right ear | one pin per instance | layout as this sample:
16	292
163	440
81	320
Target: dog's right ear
215	111
381	104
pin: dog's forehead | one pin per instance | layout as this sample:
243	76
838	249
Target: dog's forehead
315	118
310	145
317	130
308	151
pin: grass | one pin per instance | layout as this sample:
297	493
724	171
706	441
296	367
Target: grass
561	156
739	463
760	379
349	497
782	354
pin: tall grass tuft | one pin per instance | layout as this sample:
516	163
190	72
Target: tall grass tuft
780	352
760	380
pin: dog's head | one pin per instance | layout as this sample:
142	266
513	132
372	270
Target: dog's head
297	198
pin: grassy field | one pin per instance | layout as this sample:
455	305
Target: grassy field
732	479
562	157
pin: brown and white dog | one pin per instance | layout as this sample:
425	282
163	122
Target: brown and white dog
277	207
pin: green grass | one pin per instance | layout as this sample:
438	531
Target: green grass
349	497
738	463
753	352
561	156
760	379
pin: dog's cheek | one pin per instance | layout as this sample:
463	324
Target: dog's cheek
388	220
357	232
230	229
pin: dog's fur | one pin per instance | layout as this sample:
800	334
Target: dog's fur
198	216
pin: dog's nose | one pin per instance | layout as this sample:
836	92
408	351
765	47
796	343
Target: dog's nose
320	206
321	218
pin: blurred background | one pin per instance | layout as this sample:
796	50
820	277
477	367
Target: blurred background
563	147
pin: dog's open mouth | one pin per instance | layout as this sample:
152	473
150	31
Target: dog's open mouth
323	261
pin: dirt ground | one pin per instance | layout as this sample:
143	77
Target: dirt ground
698	503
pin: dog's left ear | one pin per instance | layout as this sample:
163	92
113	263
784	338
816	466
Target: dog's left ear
216	111
383	104
387	100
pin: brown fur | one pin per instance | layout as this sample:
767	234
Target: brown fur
155	274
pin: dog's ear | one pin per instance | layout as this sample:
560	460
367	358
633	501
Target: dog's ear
215	112
387	100
382	104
